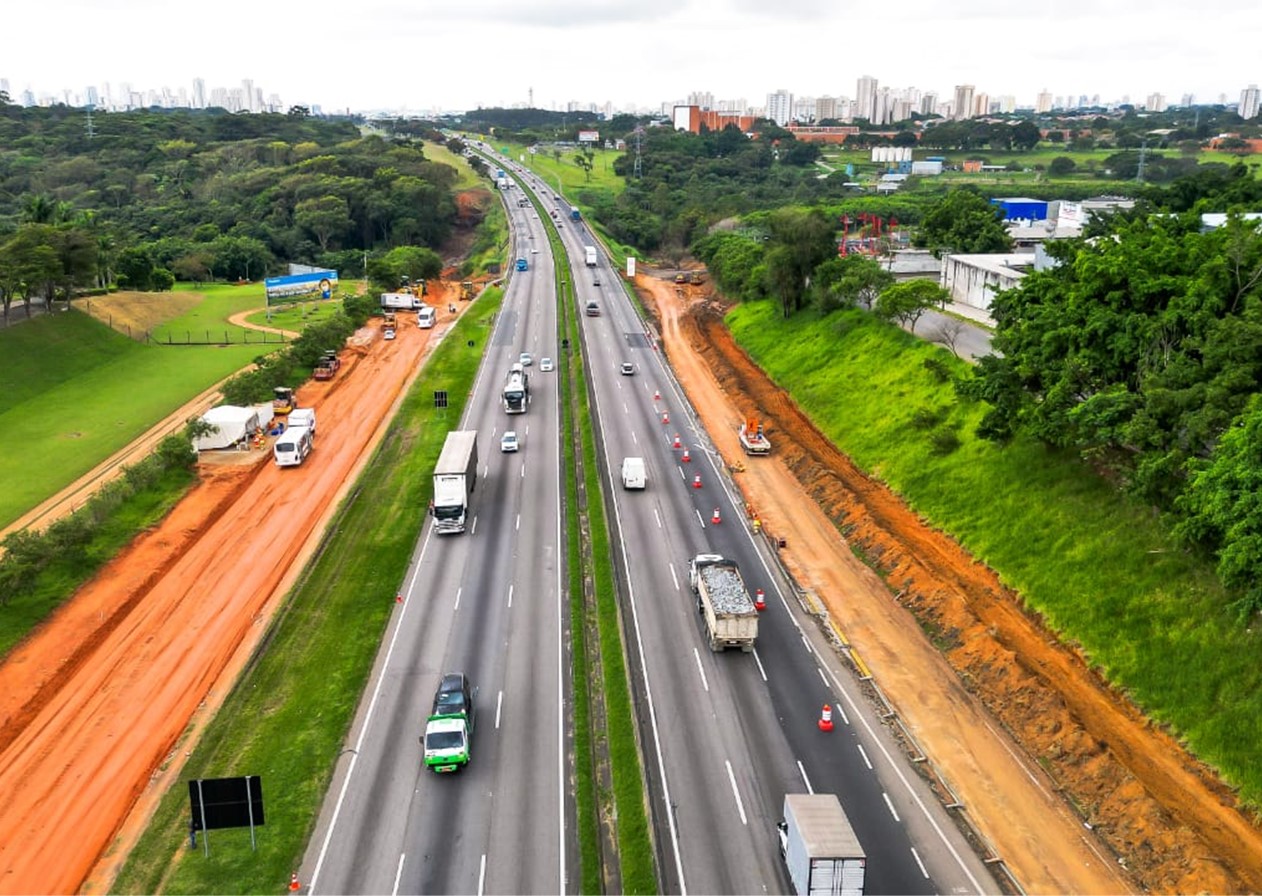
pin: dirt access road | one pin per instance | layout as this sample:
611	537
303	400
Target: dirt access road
93	703
1155	818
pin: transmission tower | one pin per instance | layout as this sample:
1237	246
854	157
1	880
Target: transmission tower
638	170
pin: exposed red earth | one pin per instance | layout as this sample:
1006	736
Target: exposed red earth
93	705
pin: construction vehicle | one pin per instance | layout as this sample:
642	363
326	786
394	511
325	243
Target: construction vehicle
731	619
389	320
327	366
282	400
696	278
819	847
455	477
753	440
466	291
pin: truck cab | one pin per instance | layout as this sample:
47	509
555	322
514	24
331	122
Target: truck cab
522	265
449	728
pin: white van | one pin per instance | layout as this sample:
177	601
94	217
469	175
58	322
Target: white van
302	418
633	475
427	317
292	446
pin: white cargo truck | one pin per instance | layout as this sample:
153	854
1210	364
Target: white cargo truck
292	446
454	480
400	301
819	847
589	253
304	417
731	619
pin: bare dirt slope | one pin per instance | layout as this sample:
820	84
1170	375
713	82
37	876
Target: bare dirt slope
93	703
1170	824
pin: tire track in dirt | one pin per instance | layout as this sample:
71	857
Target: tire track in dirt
1174	823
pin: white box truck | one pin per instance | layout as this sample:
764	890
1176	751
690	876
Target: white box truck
730	617
292	446
819	847
633	473
304	417
400	301
454	480
590	253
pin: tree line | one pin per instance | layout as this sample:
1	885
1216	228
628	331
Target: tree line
147	198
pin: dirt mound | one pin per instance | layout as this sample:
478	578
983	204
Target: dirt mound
139	311
1174	825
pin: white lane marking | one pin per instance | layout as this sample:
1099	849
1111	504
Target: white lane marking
700	669
700	519
510	595
634	439
398	873
674	578
682	474
473	530
459	591
523	471
736	792
758	660
890	803
822	676
657	516
845	719
486	471
805	780
482	875
499	705
864	754
915	855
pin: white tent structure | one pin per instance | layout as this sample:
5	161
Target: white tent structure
231	425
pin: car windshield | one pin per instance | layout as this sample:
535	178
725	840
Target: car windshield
449	702
444	740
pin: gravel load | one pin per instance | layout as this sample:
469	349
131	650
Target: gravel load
726	589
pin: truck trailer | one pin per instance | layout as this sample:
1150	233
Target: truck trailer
403	301
819	847
454	480
730	617
589	253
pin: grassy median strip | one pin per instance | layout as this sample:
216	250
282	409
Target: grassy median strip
286	719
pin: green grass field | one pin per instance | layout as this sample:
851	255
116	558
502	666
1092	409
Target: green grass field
73	392
1101	570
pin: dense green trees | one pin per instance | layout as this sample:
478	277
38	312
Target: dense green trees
1143	353
963	222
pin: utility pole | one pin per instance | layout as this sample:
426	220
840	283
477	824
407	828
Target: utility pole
1143	149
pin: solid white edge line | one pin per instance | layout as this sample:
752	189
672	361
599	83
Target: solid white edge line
499	705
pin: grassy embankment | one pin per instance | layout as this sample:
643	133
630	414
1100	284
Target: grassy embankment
73	392
287	718
1101	570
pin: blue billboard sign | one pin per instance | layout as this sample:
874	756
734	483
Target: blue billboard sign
313	284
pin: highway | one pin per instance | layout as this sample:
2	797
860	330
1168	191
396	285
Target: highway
488	603
729	734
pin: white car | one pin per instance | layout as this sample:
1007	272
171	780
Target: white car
509	441
388	334
525	360
628	369
545	365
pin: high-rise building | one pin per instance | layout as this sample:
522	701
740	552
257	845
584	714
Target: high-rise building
1156	102
1043	104
780	107
981	105
199	93
929	104
825	107
1249	100
963	101
883	107
865	98
703	99
1006	104
247	95
1188	99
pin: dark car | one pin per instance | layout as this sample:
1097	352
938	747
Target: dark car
454	697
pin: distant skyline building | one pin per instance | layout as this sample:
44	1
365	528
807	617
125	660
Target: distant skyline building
703	99
963	104
1043	103
825	107
865	98
780	107
199	93
1249	101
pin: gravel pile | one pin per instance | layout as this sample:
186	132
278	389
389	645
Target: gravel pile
727	591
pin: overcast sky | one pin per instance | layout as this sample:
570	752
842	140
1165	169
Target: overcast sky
390	54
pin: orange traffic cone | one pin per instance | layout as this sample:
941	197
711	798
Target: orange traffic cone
398	598
657	396
716	519
294	886
665	417
676	443
686	458
826	718
760	600
696	481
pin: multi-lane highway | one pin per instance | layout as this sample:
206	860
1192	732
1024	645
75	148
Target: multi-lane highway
487	603
725	735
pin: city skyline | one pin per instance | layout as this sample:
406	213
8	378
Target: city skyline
641	56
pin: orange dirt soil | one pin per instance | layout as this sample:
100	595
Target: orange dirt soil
1153	817
93	704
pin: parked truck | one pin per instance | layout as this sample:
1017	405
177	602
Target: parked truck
819	847
589	253
454	480
328	365
304	417
404	301
517	390
753	439
731	620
